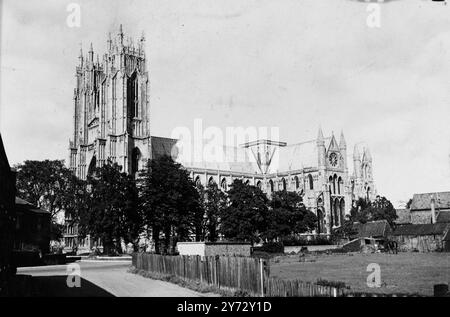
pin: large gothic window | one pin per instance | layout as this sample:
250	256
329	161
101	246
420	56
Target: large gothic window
198	183
132	96
342	211
135	156
339	185
336	212
92	166
283	184
320	221
223	184
311	182
334	183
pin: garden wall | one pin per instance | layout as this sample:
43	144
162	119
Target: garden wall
214	249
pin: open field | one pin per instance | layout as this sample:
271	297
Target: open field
400	273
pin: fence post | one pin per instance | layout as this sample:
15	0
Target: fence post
261	269
217	271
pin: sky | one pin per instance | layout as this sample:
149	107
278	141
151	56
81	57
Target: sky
291	64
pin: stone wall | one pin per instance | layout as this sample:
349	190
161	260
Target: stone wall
421	217
213	249
228	249
426	243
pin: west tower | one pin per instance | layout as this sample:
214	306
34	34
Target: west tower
111	108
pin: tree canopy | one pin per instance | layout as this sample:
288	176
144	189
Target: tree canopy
170	202
44	184
215	203
288	216
246	216
112	213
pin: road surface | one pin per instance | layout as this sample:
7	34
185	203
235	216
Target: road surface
102	278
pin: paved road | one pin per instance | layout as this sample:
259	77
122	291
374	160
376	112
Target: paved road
101	278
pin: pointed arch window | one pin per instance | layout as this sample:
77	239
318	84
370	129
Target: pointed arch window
311	182
223	184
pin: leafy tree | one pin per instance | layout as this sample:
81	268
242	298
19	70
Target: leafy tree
357	212
112	213
380	209
215	202
246	215
43	183
170	202
288	215
346	230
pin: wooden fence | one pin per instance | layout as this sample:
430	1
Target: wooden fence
244	274
295	288
235	273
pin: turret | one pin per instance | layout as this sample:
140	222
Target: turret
342	143
321	148
367	155
80	57
109	42
120	37
357	161
343	149
141	45
91	53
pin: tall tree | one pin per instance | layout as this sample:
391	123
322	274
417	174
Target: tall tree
214	205
379	209
113	212
43	183
288	216
170	202
246	215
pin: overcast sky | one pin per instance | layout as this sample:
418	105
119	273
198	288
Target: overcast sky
288	64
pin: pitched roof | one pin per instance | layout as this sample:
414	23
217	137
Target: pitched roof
4	165
377	228
421	229
443	217
23	205
162	146
423	201
231	159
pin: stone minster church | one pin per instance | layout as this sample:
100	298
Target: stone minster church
112	122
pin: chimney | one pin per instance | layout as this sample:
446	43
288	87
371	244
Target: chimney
433	211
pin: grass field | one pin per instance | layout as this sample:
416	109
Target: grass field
400	273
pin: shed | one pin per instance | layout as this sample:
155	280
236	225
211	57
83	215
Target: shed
421	237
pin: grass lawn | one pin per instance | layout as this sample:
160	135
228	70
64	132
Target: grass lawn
400	273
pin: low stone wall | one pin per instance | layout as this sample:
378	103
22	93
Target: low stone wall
311	248
425	243
213	249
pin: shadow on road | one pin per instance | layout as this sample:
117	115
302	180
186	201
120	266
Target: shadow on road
56	286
